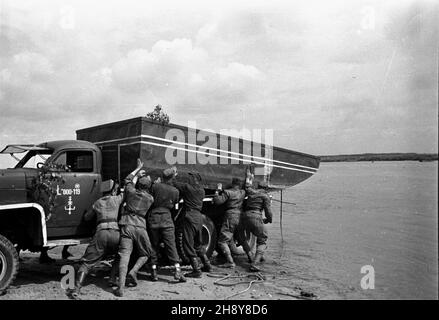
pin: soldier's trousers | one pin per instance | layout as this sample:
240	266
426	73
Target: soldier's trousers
191	227
228	228
161	228
104	243
130	237
252	221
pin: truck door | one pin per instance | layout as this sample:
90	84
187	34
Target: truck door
76	195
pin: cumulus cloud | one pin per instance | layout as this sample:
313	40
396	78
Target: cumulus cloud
184	74
167	62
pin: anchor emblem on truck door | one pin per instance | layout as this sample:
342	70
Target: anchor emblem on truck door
69	207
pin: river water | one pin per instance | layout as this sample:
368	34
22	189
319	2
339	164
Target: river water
348	215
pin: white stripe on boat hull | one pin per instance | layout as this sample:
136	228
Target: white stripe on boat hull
268	162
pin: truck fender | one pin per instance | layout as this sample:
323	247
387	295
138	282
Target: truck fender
38	208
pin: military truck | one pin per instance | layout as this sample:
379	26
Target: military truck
44	197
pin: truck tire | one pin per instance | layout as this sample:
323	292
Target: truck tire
208	239
208	235
8	263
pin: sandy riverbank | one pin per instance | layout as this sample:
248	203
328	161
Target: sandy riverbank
42	281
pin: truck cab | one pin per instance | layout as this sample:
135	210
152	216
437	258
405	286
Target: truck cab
79	187
69	172
76	165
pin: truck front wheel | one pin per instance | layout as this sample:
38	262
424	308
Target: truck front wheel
8	263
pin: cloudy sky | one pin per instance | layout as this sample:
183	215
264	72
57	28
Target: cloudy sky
329	77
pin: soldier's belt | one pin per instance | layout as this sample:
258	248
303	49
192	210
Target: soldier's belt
108	226
128	212
107	220
253	210
233	211
161	210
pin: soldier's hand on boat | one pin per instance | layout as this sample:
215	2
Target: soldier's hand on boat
139	163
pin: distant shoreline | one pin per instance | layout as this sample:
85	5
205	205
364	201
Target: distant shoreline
380	157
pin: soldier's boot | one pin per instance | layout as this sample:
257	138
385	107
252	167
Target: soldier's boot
227	254
250	257
123	268
121	284
258	258
178	275
196	271
154	276
132	275
254	266
207	267
112	281
80	278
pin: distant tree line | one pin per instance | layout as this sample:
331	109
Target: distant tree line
380	157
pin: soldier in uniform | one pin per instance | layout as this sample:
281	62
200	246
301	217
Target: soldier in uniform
133	226
160	223
191	225
252	220
106	239
232	199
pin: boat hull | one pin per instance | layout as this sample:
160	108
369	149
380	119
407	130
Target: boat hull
218	158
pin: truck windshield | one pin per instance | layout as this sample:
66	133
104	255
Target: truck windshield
32	158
